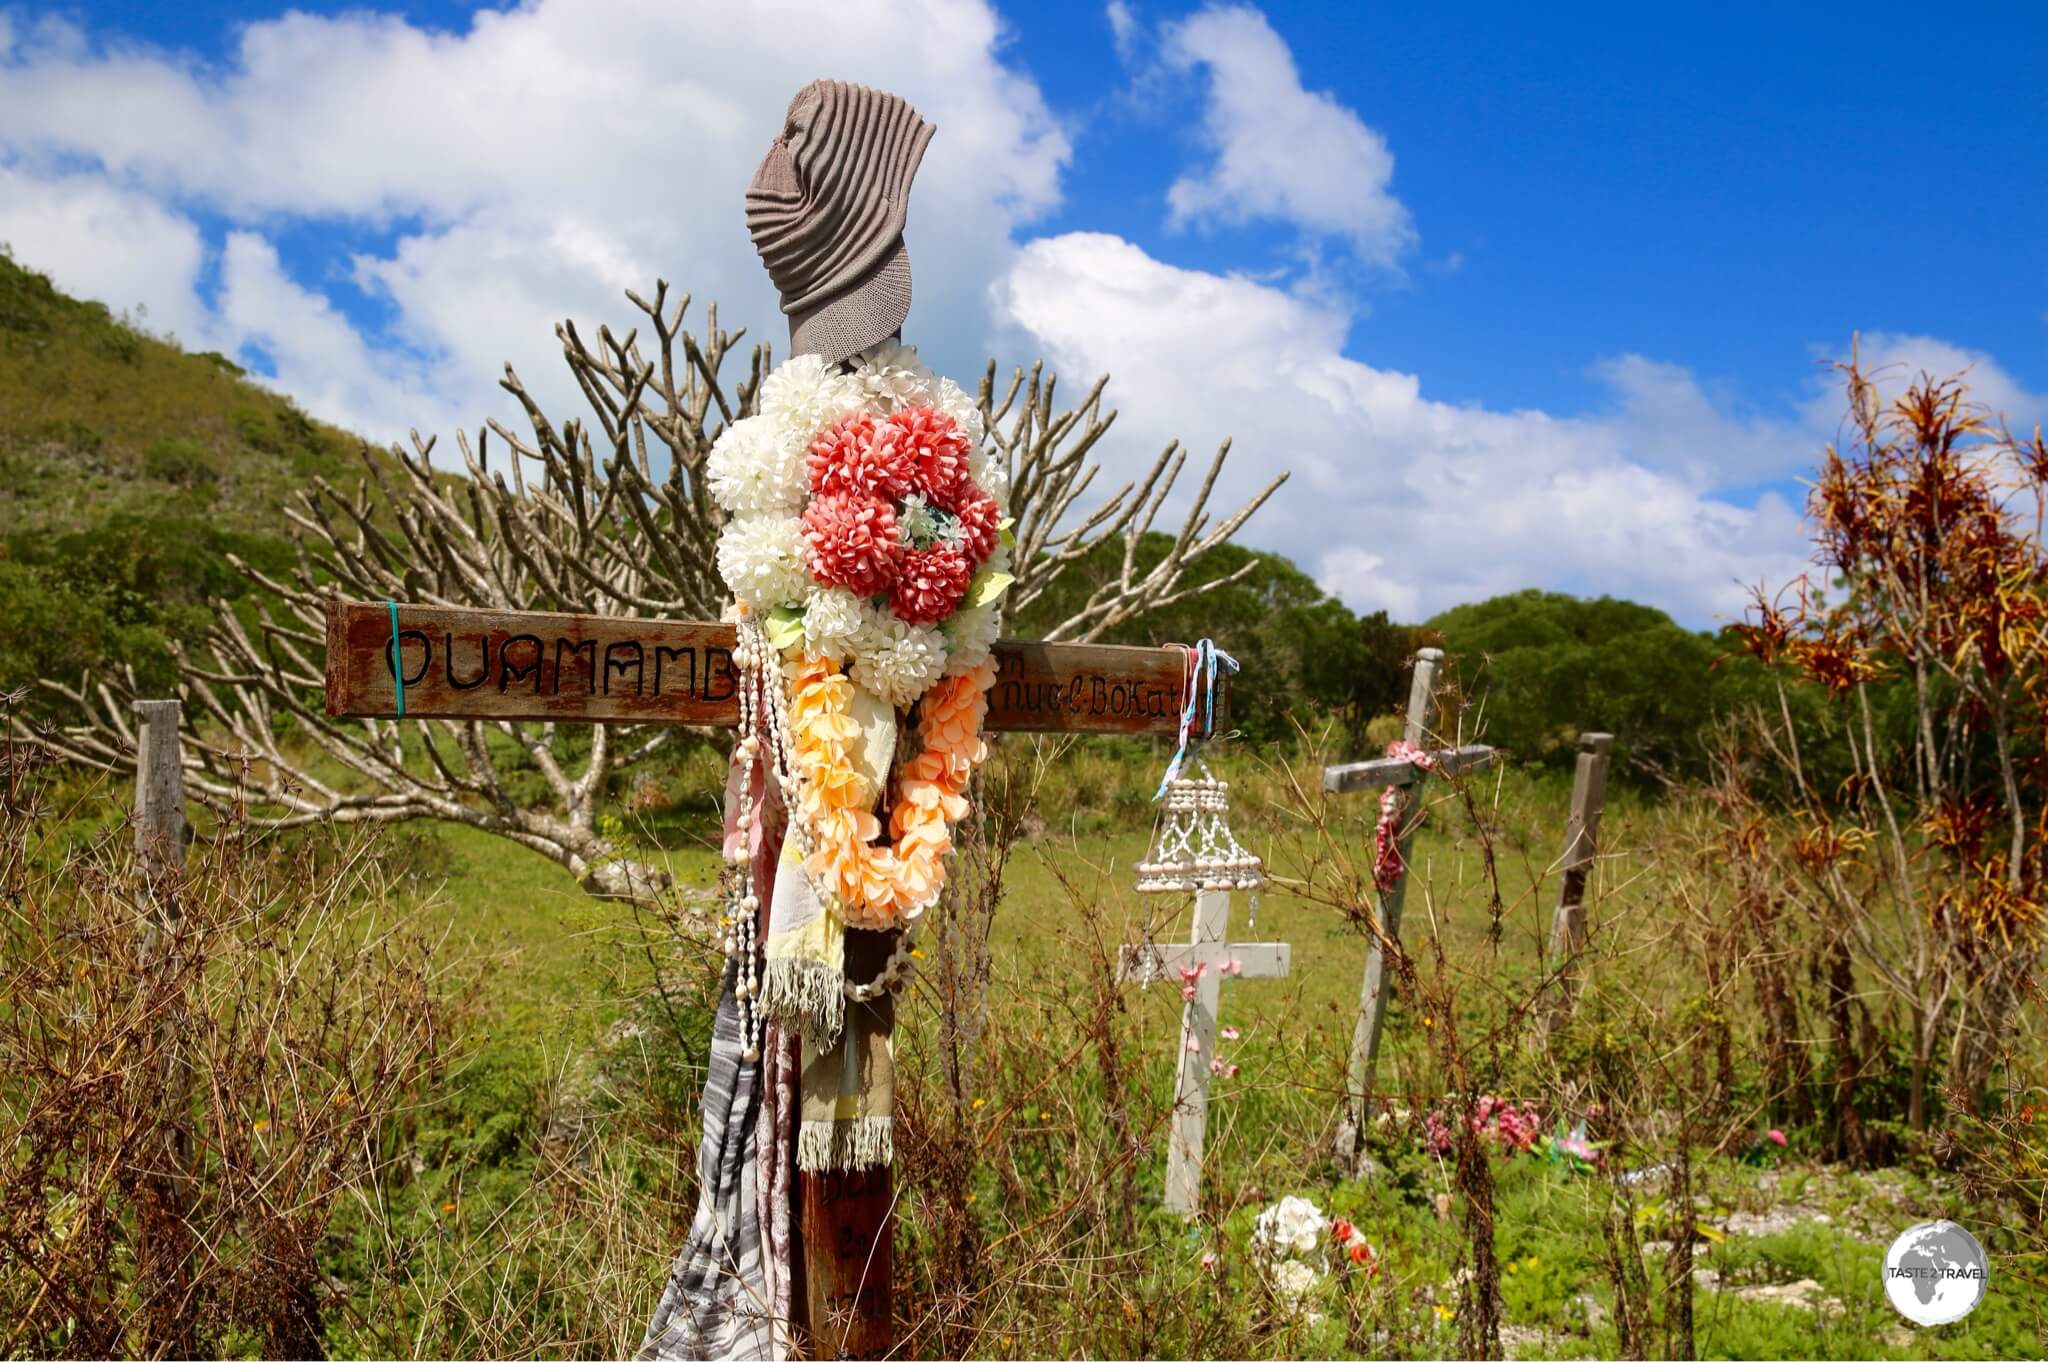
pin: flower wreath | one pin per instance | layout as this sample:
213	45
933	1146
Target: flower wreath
869	538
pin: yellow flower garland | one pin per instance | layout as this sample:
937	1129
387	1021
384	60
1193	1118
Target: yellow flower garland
885	885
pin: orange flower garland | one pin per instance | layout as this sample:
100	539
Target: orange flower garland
879	886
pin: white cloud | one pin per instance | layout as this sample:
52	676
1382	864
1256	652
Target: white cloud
96	240
1280	151
535	164
1398	501
1893	360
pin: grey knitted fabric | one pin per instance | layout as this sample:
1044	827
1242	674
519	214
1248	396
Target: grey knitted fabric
826	211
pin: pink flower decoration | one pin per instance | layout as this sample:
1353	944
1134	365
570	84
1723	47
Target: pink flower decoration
1208	1262
1775	1136
1230	1033
1187	993
1215	1066
1194	1046
1231	1072
934	447
1190	973
980	520
860	454
850	539
1233	968
929	584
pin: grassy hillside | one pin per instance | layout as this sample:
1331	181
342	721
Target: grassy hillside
129	469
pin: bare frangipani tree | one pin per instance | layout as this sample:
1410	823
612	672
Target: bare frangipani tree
584	525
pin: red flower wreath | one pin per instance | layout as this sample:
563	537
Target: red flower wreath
893	509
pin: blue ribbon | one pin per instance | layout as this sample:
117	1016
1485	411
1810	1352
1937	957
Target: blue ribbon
398	662
1205	659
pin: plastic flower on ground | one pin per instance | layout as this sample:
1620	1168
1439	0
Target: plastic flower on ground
753	466
762	561
850	541
1293	1279
1290	1225
805	394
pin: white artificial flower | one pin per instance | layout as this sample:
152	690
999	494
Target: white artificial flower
891	377
896	660
990	473
833	616
757	464
957	403
762	560
1294	1279
970	634
805	396
1290	1225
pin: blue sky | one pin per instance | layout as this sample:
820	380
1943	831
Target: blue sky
1524	297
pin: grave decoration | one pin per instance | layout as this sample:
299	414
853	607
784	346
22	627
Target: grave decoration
1408	763
865	546
1195	852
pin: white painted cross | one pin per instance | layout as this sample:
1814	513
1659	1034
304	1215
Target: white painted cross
1378	775
1202	963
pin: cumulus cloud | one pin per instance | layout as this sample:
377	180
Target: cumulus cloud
97	240
528	167
1398	501
1278	150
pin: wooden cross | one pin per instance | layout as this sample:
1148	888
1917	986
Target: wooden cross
459	663
1207	956
1378	775
1581	845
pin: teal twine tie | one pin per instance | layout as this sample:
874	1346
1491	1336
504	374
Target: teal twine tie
1205	660
398	662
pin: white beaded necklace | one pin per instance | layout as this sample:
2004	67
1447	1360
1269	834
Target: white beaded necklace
764	709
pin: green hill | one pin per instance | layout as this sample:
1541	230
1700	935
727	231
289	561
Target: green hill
129	469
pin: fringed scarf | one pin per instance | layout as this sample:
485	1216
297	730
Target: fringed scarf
728	1295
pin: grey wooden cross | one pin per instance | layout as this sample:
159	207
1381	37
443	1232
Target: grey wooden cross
1581	846
1378	775
1207	955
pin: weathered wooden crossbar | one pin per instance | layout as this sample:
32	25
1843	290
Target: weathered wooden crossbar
1384	771
492	664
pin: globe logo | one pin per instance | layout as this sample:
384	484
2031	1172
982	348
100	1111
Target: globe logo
1934	1272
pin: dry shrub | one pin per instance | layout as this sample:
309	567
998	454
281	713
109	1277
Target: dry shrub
191	1086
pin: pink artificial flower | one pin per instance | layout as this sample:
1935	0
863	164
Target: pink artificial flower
1233	967
1208	1262
1194	1045
1216	1065
850	539
1229	1033
936	449
1775	1136
861	454
980	520
1187	993
1190	973
1231	1072
929	583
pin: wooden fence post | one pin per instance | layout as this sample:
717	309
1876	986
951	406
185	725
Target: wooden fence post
164	1250
1581	845
159	797
1372	998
